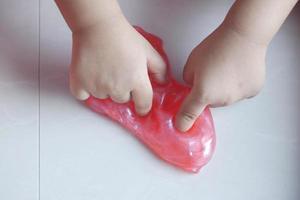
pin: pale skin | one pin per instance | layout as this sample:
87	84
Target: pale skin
228	66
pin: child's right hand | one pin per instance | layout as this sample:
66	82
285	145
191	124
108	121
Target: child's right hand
225	68
112	60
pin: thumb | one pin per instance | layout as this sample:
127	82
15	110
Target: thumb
156	65
190	110
76	89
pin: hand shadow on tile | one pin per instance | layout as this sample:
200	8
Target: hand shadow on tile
20	50
19	64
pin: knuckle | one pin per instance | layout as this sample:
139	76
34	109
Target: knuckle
257	89
188	116
119	96
221	102
254	93
120	99
228	100
115	90
226	103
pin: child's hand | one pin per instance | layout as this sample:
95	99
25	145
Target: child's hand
226	67
113	60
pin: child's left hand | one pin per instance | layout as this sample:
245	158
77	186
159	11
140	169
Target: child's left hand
225	68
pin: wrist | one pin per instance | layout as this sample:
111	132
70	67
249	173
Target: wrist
245	34
81	15
99	22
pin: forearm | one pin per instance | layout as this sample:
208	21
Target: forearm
258	20
84	13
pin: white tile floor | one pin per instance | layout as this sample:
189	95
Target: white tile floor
85	156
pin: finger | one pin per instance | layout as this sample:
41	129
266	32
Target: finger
156	65
120	98
77	89
190	110
188	71
142	98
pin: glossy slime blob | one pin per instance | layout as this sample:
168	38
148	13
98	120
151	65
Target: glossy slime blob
189	151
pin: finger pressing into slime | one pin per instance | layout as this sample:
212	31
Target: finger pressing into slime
189	151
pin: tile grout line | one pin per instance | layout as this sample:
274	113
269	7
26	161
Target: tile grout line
39	100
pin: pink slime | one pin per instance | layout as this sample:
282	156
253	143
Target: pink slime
189	151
